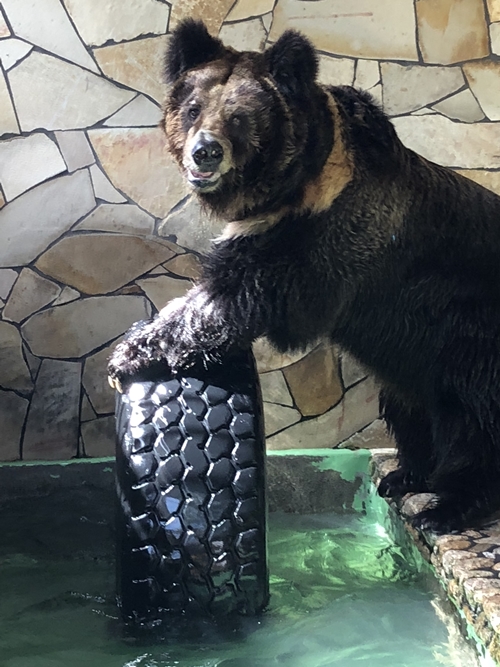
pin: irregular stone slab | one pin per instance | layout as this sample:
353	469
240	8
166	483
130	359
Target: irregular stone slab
2	200
484	80
423	112
32	361
103	188
47	25
138	65
95	380
53	416
76	328
99	437
269	359
87	412
245	9
141	112
30	293
410	87
462	106
488	179
85	261
191	227
277	417
374	436
495	38
123	218
367	74
13	410
358	408
267	20
68	294
451	32
27	161
75	149
376	93
8	121
12	51
88	98
360	32
451	144
97	22
351	369
14	373
4	28
245	36
186	266
162	289
212	13
315	381
336	71
494	9
137	162
7	278
275	389
58	205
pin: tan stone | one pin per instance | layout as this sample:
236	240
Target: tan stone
244	36
137	163
30	293
14	373
4	28
315	382
410	87
103	189
484	80
488	179
279	417
95	380
362	32
450	31
68	294
53	417
141	112
374	436
267	20
7	278
122	218
274	388
12	50
85	261
336	71
2	199
462	106
212	13
269	359
367	74
494	9
138	65
27	161
451	144
46	24
358	408
99	437
186	266
75	149
162	289
352	370
191	226
74	329
8	121
13	410
117	20
87	98
245	9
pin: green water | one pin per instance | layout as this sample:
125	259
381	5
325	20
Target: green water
341	595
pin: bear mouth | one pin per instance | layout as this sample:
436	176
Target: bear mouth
203	180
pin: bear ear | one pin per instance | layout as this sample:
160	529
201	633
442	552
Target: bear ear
292	62
190	45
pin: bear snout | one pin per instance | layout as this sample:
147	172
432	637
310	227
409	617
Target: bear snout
207	154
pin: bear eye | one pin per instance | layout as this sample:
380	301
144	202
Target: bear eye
194	112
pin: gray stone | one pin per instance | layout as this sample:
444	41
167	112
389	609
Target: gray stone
95	380
4	28
12	51
7	278
99	437
14	373
352	371
87	412
58	205
53	416
336	71
274	388
27	161
103	188
141	112
75	149
88	98
46	24
75	329
30	293
461	106
191	227
367	74
278	417
374	436
484	80
122	218
32	361
13	410
410	87
162	289
245	35
68	294
8	120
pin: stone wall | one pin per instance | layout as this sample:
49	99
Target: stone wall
97	228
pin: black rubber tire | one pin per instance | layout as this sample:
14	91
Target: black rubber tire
190	474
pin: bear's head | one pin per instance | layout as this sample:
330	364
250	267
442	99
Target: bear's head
239	123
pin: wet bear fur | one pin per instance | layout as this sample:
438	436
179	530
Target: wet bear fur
336	230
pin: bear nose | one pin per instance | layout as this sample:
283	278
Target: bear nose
207	155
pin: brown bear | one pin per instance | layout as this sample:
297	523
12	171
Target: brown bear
336	230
